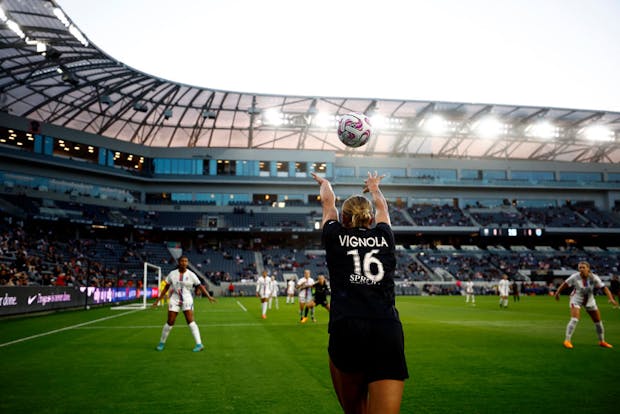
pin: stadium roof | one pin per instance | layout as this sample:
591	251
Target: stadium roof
51	73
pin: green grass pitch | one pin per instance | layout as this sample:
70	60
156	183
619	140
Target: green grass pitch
462	359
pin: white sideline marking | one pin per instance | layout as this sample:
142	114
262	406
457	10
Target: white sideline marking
241	306
65	329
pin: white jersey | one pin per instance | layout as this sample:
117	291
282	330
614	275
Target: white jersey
469	287
305	289
583	291
290	287
263	286
504	287
182	288
273	288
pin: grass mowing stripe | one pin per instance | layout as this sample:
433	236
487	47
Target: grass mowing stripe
79	325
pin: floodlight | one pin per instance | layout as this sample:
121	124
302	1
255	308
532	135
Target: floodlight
323	120
378	121
273	117
488	128
598	133
542	129
435	124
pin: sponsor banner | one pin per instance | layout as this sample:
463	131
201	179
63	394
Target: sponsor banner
26	299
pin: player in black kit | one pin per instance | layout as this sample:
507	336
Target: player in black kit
366	341
321	291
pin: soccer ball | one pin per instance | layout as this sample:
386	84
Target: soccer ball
354	130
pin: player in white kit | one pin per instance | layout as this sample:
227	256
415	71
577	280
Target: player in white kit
306	300
469	292
290	291
583	283
274	289
263	291
503	289
181	282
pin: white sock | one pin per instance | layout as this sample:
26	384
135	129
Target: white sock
570	328
165	332
277	304
195	332
264	308
600	331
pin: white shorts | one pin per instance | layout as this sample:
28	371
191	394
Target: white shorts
305	297
503	292
175	306
577	301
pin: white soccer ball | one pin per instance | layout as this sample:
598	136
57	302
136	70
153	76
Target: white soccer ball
354	130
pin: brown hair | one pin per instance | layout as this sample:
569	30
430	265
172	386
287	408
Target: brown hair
357	211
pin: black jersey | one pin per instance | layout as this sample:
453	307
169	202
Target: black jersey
320	291
361	264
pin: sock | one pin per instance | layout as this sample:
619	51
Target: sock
269	303
277	304
570	328
301	313
600	331
195	332
312	313
306	311
165	332
264	308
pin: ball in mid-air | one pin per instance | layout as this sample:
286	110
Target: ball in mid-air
354	130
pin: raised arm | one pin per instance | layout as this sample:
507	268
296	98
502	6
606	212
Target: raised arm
328	199
371	185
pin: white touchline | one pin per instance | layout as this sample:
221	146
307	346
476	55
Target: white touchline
65	329
242	307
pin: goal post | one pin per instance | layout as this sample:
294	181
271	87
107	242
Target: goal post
151	280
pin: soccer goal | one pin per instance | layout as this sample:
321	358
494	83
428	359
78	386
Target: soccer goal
151	281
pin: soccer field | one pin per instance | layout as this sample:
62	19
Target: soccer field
462	359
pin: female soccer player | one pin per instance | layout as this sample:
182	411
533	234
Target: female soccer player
503	288
263	291
306	300
366	342
182	281
583	283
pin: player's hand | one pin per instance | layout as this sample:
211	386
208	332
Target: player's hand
212	299
318	179
372	182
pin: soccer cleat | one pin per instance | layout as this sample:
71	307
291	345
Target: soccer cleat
314	320
264	316
304	319
160	346
568	345
605	344
198	348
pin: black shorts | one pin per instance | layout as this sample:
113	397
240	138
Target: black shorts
374	347
320	300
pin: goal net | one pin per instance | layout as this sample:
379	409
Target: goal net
149	288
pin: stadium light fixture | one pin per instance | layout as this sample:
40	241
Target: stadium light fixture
542	129
273	117
15	29
435	124
598	133
488	128
323	120
379	121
